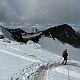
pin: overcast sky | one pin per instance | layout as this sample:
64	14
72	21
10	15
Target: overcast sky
40	11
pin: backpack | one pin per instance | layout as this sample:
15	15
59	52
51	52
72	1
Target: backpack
64	54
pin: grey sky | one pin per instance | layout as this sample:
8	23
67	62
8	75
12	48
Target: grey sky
40	11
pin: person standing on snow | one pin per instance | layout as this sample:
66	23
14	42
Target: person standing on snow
64	55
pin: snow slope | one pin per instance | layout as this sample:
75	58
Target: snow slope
10	62
14	56
57	47
68	72
30	61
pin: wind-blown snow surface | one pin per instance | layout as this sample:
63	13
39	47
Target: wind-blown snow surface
31	62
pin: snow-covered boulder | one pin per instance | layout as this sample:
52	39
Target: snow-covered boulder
30	42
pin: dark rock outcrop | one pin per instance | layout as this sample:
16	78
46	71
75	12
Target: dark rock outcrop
13	34
64	33
18	35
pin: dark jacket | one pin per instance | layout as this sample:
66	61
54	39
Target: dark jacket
65	54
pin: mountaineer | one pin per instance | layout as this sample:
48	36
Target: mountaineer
64	55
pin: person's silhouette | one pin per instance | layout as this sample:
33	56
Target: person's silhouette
64	55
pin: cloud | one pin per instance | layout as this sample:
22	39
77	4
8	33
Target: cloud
40	11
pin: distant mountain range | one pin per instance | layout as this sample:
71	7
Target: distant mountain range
64	33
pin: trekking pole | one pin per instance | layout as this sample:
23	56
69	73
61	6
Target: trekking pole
68	73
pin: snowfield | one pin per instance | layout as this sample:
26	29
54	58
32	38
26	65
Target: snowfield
57	47
30	61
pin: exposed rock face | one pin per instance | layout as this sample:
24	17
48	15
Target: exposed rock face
13	34
64	33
